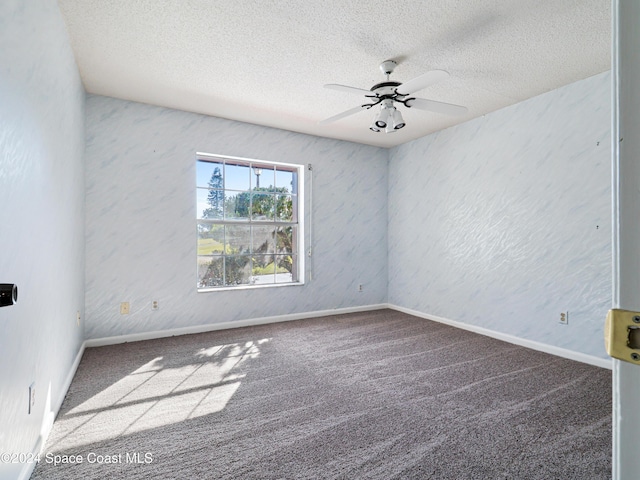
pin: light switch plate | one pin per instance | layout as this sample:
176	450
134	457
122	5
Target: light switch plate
32	397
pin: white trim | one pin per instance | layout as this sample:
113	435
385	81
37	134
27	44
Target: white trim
615	152
542	347
213	156
69	379
297	191
249	287
27	468
135	337
618	465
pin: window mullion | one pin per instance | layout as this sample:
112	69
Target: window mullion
224	256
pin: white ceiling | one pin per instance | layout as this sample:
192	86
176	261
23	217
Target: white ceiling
265	62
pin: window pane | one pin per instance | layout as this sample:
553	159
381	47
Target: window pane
237	239
263	269
237	270
239	206
236	206
284	208
208	173
210	272
209	203
262	206
210	239
284	181
263	239
284	268
262	178
237	177
284	239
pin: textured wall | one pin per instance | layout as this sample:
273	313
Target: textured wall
41	219
140	222
504	222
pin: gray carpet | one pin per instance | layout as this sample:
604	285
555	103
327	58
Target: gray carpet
376	395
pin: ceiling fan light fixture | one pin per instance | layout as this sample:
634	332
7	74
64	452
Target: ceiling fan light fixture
383	118
398	121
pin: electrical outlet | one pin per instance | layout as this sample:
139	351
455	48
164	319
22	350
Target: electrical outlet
360	288
32	397
155	305
564	318
124	308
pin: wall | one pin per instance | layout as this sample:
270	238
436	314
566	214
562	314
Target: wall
504	222
41	219
140	222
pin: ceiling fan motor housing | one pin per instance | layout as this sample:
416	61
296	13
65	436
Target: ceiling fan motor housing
388	66
385	88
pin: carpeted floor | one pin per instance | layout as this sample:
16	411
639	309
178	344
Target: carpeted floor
375	395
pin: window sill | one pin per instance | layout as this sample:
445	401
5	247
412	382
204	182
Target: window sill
248	287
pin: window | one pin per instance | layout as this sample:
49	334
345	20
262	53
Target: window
249	222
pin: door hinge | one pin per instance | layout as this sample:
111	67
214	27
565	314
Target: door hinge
622	335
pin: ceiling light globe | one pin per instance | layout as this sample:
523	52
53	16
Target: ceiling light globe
398	121
383	118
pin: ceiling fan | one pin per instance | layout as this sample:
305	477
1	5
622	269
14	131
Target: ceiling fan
388	94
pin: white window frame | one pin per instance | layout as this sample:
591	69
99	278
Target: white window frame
297	197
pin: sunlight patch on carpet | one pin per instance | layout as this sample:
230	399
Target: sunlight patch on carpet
161	392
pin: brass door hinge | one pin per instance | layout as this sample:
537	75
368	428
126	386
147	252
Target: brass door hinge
622	335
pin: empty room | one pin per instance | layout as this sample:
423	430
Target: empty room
297	239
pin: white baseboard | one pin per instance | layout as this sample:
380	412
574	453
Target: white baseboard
50	416
135	337
542	347
69	378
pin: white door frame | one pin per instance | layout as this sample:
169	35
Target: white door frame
625	73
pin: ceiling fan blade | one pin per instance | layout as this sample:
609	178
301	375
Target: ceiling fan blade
418	83
351	111
438	107
345	88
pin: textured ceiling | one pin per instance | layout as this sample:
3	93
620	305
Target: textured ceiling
265	62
